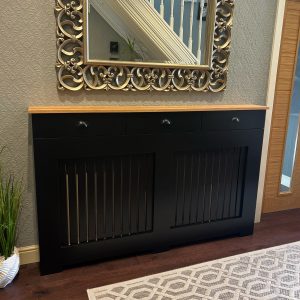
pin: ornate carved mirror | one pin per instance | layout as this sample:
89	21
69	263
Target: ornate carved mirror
132	45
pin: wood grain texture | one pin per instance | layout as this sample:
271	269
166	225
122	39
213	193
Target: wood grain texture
133	108
273	199
275	229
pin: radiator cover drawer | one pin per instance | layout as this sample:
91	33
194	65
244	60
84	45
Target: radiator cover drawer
164	123
233	120
77	125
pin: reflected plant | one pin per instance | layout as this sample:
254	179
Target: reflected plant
134	52
131	44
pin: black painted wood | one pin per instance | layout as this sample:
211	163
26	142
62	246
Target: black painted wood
111	185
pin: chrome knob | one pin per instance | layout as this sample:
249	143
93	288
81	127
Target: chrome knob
166	123
82	124
235	120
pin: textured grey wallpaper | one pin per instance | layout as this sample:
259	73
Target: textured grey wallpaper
28	54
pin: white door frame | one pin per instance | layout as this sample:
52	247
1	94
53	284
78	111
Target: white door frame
269	102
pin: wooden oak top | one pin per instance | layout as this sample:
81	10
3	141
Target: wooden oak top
137	109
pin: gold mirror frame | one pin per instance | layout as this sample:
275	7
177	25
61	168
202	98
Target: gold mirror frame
75	74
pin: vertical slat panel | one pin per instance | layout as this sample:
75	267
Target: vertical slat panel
113	197
73	210
101	199
109	200
234	182
77	204
113	209
176	191
141	193
126	163
138	195
149	194
187	188
197	187
96	199
119	198
86	198
129	196
202	188
65	235
81	194
106	198
92	198
134	197
209	185
222	186
67	193
104	201
230	157
216	195
191	188
194	189
183	181
240	185
212	183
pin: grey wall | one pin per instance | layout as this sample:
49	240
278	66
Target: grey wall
27	77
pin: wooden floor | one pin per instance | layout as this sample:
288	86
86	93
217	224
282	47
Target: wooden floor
275	229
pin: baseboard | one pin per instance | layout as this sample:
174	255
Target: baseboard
29	255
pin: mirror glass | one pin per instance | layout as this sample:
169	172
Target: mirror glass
292	135
173	32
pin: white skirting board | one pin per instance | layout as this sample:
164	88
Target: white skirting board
29	254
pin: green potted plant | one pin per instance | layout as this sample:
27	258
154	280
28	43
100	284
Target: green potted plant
10	201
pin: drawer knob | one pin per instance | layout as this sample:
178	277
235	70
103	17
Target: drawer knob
82	124
166	123
235	120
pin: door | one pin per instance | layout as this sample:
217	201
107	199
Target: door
282	186
214	184
98	198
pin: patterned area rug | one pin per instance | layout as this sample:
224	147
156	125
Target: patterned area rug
272	273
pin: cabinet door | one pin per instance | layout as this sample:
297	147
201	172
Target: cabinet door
214	181
95	198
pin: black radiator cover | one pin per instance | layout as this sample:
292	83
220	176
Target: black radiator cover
110	185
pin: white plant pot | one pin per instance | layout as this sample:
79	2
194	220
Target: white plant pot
9	268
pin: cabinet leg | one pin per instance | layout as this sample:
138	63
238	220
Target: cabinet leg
46	269
247	230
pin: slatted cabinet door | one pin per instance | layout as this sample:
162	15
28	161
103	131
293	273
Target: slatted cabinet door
98	199
214	179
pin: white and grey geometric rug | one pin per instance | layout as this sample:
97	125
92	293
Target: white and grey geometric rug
272	273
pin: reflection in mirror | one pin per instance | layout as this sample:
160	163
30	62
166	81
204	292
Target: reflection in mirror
292	135
150	31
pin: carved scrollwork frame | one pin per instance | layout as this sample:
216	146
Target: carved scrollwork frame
74	74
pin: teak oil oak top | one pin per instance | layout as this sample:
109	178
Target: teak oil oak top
138	109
